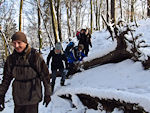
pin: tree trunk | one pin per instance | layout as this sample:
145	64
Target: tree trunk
91	2
132	10
6	44
96	15
59	19
50	39
113	15
54	21
77	16
68	18
107	15
20	15
39	26
121	8
128	12
148	8
99	15
112	57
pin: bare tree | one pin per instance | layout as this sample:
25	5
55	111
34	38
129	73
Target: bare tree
107	15
148	8
68	17
132	10
91	2
96	13
39	26
20	15
54	21
78	6
113	10
58	9
121	8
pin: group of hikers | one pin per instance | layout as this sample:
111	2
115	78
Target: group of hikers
27	69
72	56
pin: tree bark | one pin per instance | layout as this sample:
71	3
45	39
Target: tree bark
59	19
20	15
113	15
128	12
54	21
112	57
6	44
68	18
91	2
39	26
107	15
148	8
132	10
121	8
96	15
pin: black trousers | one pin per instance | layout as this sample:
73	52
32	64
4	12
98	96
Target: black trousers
26	108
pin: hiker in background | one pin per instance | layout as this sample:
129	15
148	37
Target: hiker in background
82	36
87	42
69	48
58	57
74	59
78	34
26	87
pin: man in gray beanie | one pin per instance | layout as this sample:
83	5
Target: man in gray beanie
28	69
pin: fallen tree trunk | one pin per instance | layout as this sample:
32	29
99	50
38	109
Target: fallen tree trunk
112	57
105	104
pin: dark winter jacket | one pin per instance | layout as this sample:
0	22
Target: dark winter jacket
57	60
87	41
82	38
69	48
26	87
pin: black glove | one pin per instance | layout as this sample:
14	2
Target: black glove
47	99
2	100
91	45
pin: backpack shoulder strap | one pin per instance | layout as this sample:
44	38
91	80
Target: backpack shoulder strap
32	61
13	62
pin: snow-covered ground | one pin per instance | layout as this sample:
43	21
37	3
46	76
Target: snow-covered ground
125	80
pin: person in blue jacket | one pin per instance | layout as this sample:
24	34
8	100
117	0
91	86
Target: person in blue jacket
74	58
69	48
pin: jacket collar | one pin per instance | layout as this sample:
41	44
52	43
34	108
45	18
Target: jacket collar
26	51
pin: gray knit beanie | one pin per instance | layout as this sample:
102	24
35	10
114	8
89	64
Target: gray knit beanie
19	36
58	46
